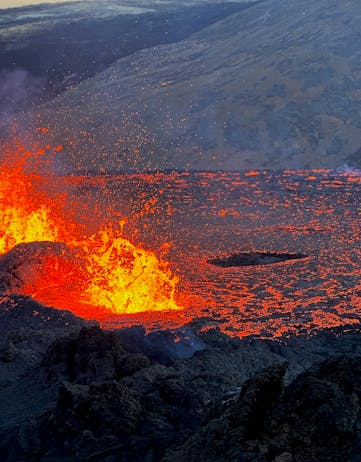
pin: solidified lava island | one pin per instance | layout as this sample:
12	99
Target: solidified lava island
254	259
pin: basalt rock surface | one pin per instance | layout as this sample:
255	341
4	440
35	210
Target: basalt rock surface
317	417
254	259
71	391
36	64
25	263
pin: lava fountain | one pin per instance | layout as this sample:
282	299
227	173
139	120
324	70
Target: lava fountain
48	254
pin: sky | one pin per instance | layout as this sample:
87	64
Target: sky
15	3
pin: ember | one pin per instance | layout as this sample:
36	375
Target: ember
100	273
281	212
102	269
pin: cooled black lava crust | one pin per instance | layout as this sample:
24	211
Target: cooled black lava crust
254	259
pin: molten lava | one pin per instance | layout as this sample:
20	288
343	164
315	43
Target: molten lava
96	272
24	214
103	269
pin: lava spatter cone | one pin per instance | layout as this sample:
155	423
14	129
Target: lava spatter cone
57	261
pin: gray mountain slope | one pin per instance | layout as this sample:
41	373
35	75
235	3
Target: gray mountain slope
275	86
47	49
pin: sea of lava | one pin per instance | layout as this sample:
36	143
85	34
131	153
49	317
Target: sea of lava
188	218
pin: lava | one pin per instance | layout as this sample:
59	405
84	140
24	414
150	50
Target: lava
99	272
226	213
91	273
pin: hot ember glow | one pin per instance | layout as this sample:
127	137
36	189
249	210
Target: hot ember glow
24	214
97	271
102	269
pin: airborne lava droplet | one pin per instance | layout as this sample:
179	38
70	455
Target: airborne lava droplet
89	273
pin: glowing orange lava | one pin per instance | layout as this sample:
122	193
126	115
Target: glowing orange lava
103	269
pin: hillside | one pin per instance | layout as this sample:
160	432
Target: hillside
275	86
47	49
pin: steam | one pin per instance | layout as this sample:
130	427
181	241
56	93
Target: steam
18	89
347	170
164	345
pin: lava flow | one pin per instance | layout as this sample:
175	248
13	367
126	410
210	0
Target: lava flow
48	254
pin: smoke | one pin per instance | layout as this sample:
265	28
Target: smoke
18	90
163	346
347	170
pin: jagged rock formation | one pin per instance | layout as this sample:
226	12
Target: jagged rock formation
317	417
76	392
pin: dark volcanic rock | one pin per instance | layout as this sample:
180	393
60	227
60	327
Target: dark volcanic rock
118	405
104	408
24	263
319	413
98	397
92	355
317	417
354	159
233	435
126	419
29	327
161	346
254	259
258	397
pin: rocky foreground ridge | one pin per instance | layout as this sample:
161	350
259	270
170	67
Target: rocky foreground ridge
72	391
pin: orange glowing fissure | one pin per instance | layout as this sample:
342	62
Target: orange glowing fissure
104	269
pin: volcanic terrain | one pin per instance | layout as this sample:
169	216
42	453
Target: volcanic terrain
46	49
71	391
207	312
274	86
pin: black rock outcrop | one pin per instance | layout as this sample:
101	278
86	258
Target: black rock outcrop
71	391
315	418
